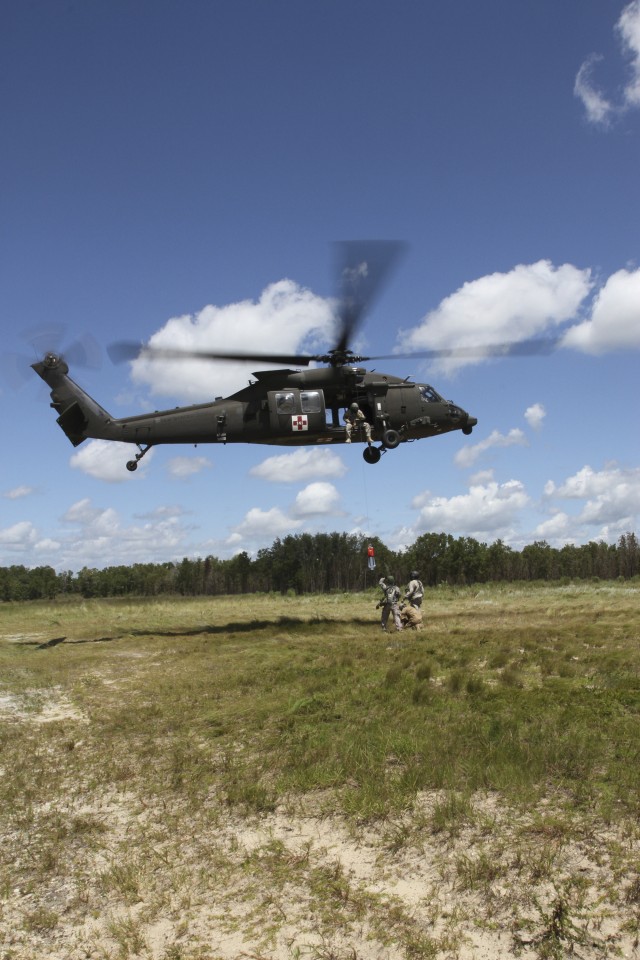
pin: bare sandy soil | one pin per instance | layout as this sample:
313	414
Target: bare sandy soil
107	875
170	885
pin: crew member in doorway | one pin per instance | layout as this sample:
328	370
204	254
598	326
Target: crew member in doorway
354	418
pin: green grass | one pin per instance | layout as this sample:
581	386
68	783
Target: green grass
130	747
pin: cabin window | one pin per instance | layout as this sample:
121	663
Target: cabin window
429	395
311	401
285	403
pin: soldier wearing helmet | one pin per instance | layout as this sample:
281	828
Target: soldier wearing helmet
354	418
415	590
390	602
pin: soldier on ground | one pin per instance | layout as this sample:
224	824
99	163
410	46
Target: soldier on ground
411	617
415	590
390	602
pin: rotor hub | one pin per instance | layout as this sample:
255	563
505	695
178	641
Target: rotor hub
341	358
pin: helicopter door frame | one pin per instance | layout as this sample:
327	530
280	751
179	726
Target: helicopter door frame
296	414
377	401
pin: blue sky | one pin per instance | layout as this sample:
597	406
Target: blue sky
180	170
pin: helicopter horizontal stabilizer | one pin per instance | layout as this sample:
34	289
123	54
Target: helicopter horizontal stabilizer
79	416
74	423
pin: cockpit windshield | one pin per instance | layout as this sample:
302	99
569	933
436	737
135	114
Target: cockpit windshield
429	395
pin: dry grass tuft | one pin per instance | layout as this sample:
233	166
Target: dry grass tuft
270	777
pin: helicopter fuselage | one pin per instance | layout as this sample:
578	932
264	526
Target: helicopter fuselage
281	407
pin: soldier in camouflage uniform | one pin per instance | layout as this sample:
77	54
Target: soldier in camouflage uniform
415	590
354	419
390	602
411	616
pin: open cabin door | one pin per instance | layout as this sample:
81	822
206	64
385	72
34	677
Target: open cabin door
297	413
376	406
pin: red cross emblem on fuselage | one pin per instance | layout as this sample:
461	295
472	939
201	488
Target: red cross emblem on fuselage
299	422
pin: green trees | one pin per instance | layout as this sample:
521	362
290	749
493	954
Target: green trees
319	563
20	583
326	562
628	555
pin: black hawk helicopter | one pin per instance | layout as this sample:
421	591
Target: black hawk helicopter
289	406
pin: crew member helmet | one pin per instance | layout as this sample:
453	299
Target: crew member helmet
354	408
414	574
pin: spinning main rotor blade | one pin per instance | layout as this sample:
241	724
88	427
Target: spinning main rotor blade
125	350
523	348
361	266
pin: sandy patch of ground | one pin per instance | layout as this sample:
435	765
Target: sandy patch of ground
38	708
96	875
210	885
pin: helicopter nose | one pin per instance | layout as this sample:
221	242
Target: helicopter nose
469	425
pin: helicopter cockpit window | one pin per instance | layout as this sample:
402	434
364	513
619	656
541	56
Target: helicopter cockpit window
429	395
285	403
310	401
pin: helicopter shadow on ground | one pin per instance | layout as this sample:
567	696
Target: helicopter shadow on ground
250	626
246	626
56	641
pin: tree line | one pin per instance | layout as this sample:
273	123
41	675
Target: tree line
332	562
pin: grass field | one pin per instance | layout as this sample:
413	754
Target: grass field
273	777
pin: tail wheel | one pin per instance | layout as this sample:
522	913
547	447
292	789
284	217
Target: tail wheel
132	465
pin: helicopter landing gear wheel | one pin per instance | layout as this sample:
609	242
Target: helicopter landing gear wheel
132	465
371	454
391	439
467	431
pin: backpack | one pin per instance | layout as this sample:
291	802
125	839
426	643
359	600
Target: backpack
391	594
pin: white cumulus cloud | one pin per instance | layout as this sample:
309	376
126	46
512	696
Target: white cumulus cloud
99	532
18	493
556	527
599	108
534	415
306	463
98	521
19	536
182	467
524	303
615	317
610	495
317	498
263	525
286	319
467	456
606	503
47	546
106	460
628	27
490	509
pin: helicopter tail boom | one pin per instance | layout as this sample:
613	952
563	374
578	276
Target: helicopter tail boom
79	416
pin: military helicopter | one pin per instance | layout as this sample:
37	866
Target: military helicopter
288	406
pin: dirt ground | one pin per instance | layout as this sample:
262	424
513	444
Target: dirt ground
153	883
102	874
